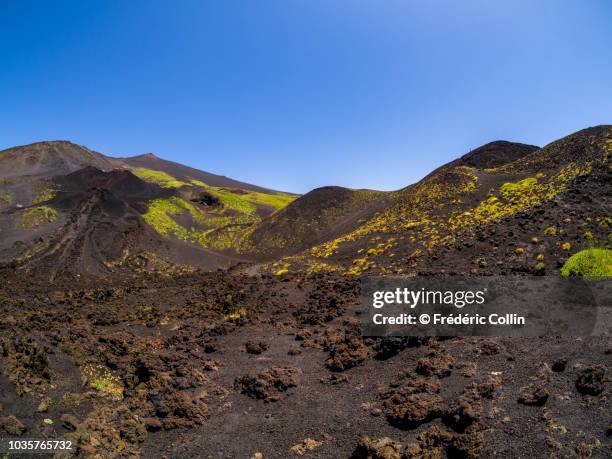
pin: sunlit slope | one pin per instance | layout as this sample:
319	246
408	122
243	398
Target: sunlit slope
213	217
149	164
528	214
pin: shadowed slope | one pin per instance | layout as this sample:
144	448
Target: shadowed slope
330	212
320	215
92	226
495	154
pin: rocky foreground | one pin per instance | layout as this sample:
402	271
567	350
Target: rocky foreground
223	364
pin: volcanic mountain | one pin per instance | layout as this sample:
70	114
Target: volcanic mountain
119	333
66	208
502	206
186	174
50	159
327	213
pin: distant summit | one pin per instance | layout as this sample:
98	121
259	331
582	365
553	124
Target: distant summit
58	157
61	157
497	153
186	173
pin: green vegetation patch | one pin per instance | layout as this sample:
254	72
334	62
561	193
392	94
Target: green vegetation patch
276	201
158	177
37	216
590	263
233	201
5	198
514	190
550	231
220	231
217	228
45	195
160	212
517	196
101	379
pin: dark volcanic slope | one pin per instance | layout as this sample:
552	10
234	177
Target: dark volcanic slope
150	161
48	187
495	154
50	158
329	212
61	157
230	364
534	208
316	217
121	182
92	226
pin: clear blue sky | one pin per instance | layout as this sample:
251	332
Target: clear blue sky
298	94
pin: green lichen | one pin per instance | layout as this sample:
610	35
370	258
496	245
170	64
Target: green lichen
5	198
515	190
35	217
233	200
45	195
589	263
158	177
276	201
160	212
216	230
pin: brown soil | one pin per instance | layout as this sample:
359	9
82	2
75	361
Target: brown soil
183	380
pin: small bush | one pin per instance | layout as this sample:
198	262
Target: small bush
511	190
550	231
102	380
519	250
589	263
566	246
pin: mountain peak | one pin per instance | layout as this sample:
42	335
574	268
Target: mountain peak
51	157
495	154
148	155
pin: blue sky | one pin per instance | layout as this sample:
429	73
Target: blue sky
294	94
